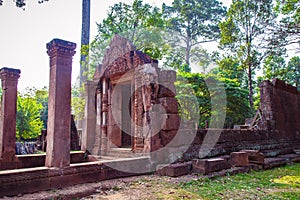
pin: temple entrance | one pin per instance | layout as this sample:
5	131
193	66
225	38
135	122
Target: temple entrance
126	138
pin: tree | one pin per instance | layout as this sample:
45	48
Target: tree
85	40
287	30
139	22
193	87
42	97
22	3
193	22
229	67
293	72
28	123
245	32
275	67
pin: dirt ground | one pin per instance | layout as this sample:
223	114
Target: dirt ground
130	188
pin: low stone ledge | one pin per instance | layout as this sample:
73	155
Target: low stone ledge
270	163
14	182
174	170
205	166
291	157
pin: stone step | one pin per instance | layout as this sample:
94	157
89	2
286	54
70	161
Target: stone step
121	153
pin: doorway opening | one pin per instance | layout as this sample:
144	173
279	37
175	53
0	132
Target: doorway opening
126	109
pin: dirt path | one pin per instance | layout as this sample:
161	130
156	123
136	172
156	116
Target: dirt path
133	188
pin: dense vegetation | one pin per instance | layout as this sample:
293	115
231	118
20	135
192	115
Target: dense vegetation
252	36
247	51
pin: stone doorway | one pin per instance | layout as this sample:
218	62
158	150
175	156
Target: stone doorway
130	88
126	113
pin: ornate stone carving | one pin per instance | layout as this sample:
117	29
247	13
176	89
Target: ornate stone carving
60	47
126	62
9	74
117	48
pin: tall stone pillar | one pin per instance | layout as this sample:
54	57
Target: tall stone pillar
59	108
97	143
89	123
104	140
9	78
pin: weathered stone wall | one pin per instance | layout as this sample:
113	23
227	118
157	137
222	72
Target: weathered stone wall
280	106
278	133
270	142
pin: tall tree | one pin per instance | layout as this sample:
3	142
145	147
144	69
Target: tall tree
245	32
85	40
193	22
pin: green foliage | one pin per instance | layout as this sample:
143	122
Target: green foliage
139	22
28	124
287	30
245	33
78	103
229	67
293	72
192	89
276	67
191	23
41	97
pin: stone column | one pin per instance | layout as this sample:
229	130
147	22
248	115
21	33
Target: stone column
138	142
104	117
266	106
97	143
59	108
89	123
9	78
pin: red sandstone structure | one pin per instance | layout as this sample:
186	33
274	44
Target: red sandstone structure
9	79
59	109
135	103
132	126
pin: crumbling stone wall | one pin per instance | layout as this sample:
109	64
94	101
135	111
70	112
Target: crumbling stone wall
278	131
280	106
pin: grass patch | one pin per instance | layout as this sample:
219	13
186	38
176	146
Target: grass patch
279	183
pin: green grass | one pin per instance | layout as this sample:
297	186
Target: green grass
279	183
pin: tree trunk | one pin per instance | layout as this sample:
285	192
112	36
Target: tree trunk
188	51
85	40
250	86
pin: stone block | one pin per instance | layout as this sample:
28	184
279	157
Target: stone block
167	76
115	135
206	166
255	156
170	104
166	90
239	159
172	122
174	170
167	136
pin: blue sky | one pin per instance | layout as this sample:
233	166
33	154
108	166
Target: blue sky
24	34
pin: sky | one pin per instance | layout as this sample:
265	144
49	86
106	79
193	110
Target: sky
25	33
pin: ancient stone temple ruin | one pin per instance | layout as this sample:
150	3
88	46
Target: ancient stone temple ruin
134	99
132	126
